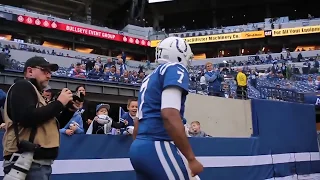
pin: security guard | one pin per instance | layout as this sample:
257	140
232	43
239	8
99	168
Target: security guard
241	84
28	116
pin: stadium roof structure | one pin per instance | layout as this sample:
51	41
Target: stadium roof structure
177	6
63	8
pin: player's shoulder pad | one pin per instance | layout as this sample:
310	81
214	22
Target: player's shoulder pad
167	66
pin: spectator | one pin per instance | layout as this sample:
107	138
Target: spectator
98	123
109	63
283	69
141	77
74	126
123	57
98	62
77	72
316	63
132	107
102	118
111	76
195	130
95	73
214	79
317	81
118	75
134	77
241	80
253	78
105	74
140	69
203	82
125	77
122	67
310	81
48	94
89	65
83	67
84	110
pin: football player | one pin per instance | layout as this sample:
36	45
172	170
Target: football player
161	150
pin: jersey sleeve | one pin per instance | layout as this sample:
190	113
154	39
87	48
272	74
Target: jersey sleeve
175	76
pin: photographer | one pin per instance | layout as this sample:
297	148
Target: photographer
28	117
214	80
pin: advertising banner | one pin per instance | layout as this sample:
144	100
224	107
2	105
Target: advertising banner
82	30
219	37
295	31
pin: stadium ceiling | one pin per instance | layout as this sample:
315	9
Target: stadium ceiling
64	8
179	6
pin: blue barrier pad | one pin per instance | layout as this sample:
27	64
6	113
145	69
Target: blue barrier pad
285	144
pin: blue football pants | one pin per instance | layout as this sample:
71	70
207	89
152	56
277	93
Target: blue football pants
158	160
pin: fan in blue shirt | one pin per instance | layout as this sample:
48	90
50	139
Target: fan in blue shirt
132	110
74	126
161	108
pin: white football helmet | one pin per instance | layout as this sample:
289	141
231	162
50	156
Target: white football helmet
174	49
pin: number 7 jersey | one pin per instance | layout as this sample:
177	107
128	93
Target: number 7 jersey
166	75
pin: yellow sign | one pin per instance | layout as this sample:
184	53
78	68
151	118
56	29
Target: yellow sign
219	37
213	38
296	31
154	43
252	35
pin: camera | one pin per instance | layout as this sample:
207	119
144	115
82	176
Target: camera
78	98
20	169
75	97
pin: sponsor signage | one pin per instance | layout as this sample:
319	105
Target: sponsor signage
219	37
296	31
268	33
82	30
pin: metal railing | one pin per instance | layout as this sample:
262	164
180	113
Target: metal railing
280	94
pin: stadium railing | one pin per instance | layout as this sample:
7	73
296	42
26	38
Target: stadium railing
272	93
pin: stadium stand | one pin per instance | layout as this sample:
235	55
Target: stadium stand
278	23
67	59
272	135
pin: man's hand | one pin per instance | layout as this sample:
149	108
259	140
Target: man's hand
95	118
69	132
195	166
126	122
89	121
2	126
76	105
74	127
65	96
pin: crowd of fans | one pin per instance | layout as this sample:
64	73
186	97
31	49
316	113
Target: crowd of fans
218	79
222	80
81	123
106	72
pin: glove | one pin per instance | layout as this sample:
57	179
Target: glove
129	129
104	119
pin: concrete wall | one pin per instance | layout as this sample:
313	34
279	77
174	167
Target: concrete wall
220	117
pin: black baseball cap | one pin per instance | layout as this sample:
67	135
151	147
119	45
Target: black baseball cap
40	62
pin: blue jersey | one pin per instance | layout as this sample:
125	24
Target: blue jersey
150	122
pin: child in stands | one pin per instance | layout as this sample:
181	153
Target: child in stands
132	107
195	130
103	118
74	126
